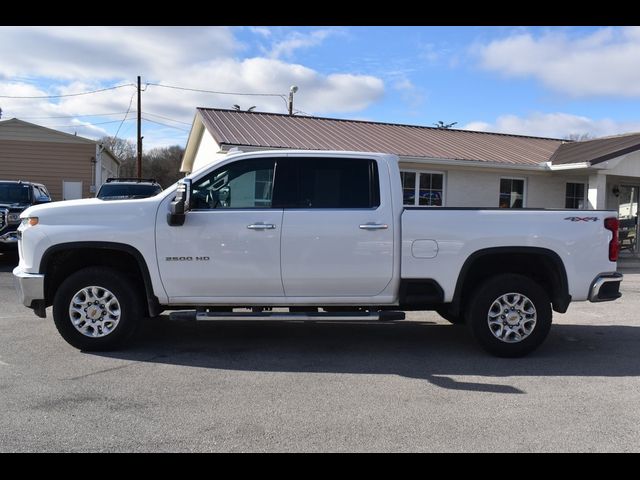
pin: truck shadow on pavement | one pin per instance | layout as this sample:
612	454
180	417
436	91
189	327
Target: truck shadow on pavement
8	261
419	350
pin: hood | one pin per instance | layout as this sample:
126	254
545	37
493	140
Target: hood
13	206
90	210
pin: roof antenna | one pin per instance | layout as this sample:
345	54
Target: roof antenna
292	90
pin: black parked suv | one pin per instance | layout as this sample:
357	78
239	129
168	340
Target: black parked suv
123	188
16	196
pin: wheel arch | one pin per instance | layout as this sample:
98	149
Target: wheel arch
541	264
63	259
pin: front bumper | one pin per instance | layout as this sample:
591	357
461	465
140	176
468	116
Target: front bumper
30	289
605	287
8	236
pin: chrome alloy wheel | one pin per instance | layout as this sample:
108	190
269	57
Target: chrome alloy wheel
512	317
94	311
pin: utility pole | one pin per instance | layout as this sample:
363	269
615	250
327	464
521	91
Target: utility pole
139	132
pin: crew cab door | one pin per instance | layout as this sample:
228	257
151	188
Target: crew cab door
337	234
229	244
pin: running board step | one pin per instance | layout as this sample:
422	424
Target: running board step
190	315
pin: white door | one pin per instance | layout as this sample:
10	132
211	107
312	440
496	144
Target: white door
71	190
338	240
229	245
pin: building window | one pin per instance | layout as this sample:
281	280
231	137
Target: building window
512	194
422	189
574	196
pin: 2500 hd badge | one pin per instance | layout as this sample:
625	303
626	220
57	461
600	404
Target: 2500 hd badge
187	259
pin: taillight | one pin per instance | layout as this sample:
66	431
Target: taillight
613	224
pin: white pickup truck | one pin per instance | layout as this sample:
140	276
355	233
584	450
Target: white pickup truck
309	235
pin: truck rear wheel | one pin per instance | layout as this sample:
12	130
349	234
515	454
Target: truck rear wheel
96	309
509	315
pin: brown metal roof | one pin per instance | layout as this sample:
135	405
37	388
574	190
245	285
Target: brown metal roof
596	151
233	128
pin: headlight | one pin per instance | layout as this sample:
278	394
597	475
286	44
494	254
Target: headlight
14	217
29	221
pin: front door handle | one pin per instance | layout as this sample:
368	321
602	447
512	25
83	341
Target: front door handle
374	226
261	226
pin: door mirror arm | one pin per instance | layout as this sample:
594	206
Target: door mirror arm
181	204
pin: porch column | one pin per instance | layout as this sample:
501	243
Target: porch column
597	195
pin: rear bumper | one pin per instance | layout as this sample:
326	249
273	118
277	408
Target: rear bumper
605	287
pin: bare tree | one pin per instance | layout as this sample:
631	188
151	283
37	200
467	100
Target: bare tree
125	151
163	164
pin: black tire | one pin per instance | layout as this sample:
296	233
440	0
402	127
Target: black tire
487	303
128	315
445	313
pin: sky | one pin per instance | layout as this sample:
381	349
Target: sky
541	81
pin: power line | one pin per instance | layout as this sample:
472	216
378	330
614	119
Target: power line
125	116
166	118
218	92
165	124
74	116
69	94
86	124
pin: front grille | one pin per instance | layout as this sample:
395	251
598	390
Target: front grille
4	218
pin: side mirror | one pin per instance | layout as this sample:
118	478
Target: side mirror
40	200
181	204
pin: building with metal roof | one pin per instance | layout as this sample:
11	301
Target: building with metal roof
69	166
448	167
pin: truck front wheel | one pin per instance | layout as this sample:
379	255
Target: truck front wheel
509	315
96	309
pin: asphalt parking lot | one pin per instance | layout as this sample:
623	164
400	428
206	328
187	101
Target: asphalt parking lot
419	385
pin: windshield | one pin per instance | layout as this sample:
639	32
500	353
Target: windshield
113	190
14	193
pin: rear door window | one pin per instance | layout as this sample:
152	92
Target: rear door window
327	183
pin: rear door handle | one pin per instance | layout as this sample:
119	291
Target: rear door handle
261	226
374	226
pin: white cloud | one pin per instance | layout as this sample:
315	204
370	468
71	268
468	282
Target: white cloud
554	125
601	63
62	60
109	52
297	40
413	96
262	31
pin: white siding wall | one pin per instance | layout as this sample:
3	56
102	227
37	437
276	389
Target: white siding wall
207	152
628	165
467	187
549	190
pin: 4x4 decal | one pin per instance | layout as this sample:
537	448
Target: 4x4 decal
582	219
